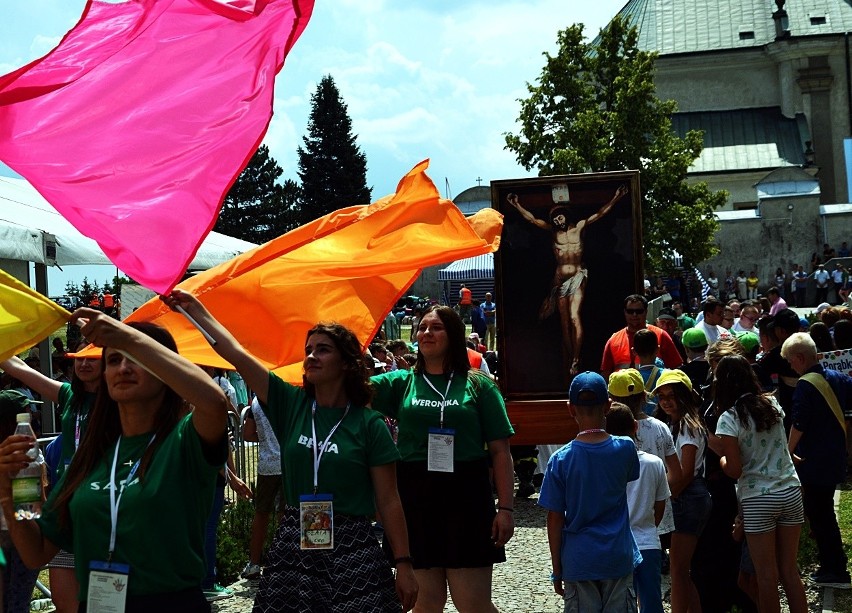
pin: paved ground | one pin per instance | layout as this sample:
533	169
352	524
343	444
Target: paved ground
522	584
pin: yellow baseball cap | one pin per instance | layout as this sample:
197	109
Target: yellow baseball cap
672	376
625	382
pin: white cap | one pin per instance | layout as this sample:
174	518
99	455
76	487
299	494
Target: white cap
22	418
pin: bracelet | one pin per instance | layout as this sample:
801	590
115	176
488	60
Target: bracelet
554	578
403	560
507	509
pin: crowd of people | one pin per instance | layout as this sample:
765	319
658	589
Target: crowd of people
702	447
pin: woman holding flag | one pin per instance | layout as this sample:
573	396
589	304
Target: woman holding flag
341	468
75	399
143	454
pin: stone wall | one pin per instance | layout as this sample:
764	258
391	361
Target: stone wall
785	231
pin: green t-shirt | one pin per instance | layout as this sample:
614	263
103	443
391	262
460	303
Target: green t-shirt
161	519
361	441
69	424
475	409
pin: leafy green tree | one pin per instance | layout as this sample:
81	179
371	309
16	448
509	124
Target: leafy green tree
593	109
332	167
258	208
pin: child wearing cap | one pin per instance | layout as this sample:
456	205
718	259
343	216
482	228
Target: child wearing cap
646	501
696	368
584	491
691	502
652	436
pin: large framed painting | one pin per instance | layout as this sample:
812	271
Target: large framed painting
571	251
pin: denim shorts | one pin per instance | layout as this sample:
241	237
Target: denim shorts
691	509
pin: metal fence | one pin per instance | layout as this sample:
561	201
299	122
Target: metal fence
245	454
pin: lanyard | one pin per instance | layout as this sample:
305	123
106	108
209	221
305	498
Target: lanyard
113	501
443	396
77	434
591	431
321	450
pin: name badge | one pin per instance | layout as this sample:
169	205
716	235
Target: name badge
107	587
439	456
316	521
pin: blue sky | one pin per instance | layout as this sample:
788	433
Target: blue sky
433	79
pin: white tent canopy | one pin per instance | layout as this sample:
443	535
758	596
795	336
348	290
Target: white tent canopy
27	220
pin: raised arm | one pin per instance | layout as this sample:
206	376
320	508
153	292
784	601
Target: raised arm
538	223
255	374
621	191
189	381
32	378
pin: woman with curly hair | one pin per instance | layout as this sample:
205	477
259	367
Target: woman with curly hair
452	426
754	444
341	468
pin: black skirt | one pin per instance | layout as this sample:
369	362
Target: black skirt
351	578
449	515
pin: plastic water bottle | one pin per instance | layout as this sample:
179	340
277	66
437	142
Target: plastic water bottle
28	482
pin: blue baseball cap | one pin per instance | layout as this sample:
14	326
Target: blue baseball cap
588	382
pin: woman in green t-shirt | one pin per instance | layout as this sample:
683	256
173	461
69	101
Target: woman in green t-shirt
74	400
161	463
325	559
453	427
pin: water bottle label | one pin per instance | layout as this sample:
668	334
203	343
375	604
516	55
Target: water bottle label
26	489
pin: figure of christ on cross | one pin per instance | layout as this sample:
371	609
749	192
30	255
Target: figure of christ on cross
569	279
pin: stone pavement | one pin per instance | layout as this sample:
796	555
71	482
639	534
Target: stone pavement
521	585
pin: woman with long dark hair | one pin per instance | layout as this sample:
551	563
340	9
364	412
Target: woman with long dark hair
133	503
452	424
75	399
755	452
678	406
341	468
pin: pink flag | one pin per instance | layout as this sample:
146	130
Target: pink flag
136	125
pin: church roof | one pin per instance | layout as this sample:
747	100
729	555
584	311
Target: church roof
745	139
689	26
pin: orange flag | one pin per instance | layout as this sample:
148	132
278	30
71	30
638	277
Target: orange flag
350	266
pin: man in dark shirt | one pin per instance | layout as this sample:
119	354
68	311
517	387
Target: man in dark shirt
818	446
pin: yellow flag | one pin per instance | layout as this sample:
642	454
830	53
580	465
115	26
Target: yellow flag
26	316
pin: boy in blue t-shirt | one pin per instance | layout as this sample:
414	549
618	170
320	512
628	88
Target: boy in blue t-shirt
592	549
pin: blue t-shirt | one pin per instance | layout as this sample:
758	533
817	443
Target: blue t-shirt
587	482
489	309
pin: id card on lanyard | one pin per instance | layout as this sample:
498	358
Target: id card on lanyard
316	511
441	441
108	580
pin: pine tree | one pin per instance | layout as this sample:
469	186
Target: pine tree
593	109
257	208
332	167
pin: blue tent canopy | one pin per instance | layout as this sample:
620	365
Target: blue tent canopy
477	267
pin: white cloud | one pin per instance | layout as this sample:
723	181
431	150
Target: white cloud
41	44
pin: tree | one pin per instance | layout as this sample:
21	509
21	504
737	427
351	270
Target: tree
594	108
332	167
257	208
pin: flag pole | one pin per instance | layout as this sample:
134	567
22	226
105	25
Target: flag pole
197	325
